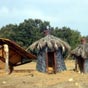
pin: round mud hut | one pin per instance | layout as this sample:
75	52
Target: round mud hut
80	54
50	54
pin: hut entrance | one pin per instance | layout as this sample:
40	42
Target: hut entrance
51	62
81	64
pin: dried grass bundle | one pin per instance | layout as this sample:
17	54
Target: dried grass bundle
51	42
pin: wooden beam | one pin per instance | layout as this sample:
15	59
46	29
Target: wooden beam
6	56
46	60
55	65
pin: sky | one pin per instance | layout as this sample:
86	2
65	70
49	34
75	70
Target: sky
69	13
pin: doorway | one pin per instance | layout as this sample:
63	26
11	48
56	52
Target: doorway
81	63
51	62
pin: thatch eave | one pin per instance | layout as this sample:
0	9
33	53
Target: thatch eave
51	42
81	50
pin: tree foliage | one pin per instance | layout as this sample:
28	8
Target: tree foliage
31	30
68	35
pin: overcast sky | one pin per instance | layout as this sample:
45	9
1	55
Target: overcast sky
69	13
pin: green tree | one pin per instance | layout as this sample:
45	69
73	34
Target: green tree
31	30
68	35
26	32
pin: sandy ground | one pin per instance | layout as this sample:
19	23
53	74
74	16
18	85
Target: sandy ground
26	76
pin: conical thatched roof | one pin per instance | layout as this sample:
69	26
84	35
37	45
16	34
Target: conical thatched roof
51	42
81	50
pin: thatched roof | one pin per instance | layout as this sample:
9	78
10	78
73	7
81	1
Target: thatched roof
16	48
51	42
81	50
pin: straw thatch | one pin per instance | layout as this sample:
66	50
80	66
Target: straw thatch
81	50
51	42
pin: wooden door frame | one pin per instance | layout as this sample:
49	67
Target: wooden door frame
54	59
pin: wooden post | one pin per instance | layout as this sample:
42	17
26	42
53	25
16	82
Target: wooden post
76	64
46	61
55	65
6	56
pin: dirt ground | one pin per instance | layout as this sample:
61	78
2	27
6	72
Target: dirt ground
26	76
